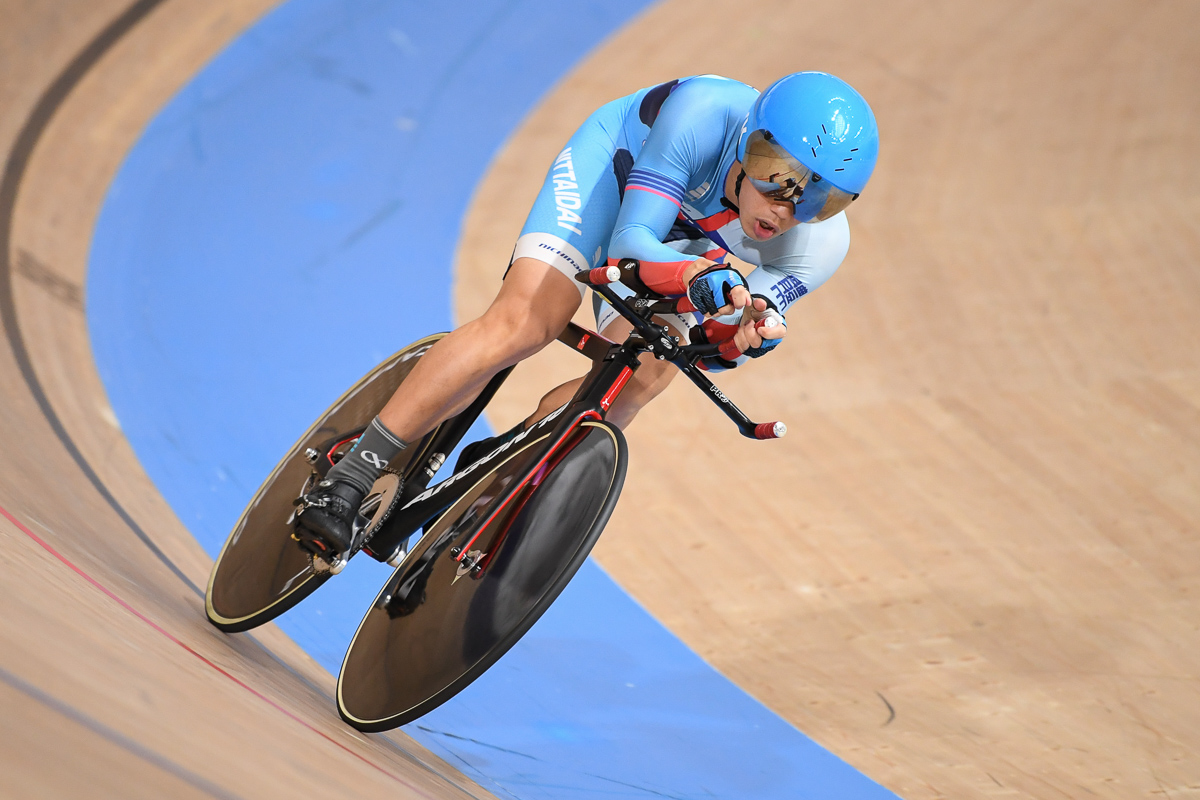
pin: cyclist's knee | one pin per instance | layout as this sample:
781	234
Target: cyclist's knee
647	383
651	378
518	332
533	306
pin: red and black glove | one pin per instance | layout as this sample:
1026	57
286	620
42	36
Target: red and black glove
723	334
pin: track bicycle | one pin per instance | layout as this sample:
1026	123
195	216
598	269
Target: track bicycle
502	536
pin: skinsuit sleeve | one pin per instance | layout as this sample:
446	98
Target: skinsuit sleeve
816	254
690	130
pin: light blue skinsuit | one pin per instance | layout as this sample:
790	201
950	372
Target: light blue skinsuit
644	177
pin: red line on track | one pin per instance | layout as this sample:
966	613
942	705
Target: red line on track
111	595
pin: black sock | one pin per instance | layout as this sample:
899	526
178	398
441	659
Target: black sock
371	454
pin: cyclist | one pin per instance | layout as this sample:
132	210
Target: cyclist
679	176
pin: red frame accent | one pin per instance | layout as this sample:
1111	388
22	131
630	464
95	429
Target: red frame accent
543	470
558	451
535	473
611	395
332	450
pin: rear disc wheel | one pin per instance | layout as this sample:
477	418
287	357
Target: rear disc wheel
477	581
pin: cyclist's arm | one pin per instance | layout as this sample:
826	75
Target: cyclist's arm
791	276
689	128
646	216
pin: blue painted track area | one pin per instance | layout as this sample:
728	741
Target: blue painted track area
288	220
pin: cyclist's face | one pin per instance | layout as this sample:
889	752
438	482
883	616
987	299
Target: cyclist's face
761	217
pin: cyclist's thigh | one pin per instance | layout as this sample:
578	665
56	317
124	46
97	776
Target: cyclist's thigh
572	219
608	321
616	327
535	295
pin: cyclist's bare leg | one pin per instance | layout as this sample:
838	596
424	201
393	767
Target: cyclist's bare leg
534	304
647	383
554	399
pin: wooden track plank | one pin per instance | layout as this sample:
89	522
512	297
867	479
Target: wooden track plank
985	512
250	715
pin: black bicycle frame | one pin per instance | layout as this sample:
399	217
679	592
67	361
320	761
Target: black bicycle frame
658	340
613	366
595	397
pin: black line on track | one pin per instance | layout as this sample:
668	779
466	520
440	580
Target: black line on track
117	738
14	171
891	711
10	185
476	741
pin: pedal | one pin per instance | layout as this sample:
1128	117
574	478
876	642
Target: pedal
362	520
324	559
322	567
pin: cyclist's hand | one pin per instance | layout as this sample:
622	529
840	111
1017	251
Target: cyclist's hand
760	330
753	333
699	265
710	283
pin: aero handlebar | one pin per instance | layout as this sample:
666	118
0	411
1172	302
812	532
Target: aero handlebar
658	340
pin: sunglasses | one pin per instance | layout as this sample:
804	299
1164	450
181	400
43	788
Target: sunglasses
778	175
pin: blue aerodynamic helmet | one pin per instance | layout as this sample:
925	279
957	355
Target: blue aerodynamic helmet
810	138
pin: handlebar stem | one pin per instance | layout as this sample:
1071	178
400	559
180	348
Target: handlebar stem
658	340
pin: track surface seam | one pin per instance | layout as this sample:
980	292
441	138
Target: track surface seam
116	737
158	628
14	171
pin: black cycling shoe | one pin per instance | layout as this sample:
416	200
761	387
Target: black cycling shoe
325	520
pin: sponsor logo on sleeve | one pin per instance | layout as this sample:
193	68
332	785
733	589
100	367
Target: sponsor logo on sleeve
789	290
566	192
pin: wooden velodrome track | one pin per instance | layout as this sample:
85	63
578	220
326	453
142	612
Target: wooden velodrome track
986	516
971	568
112	684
